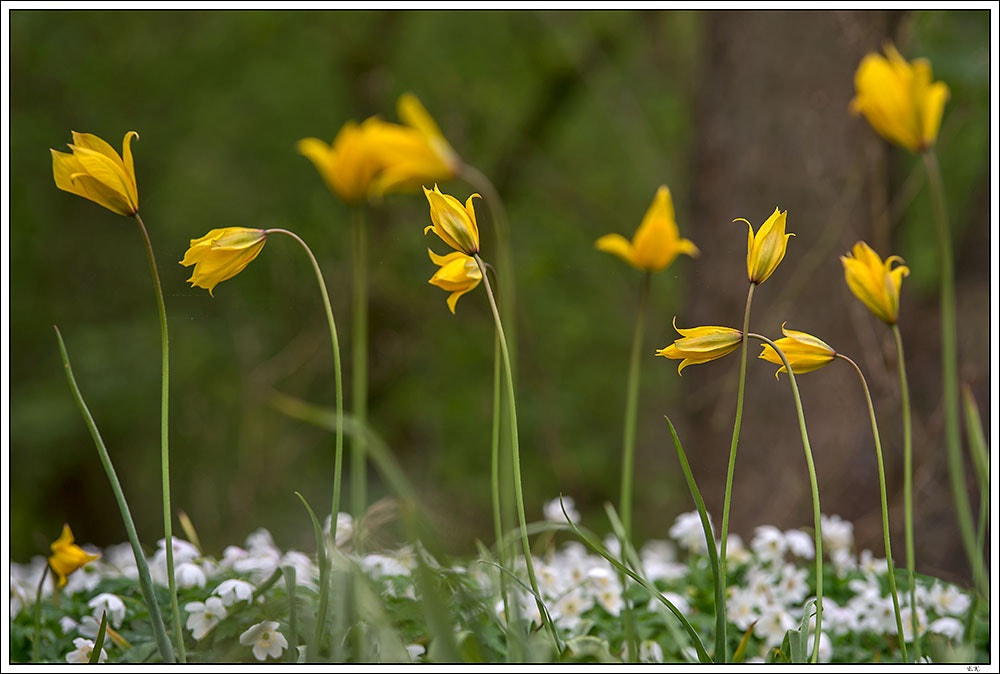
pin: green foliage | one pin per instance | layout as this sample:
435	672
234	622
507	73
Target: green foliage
219	100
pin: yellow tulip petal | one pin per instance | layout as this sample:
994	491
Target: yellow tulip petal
222	254
618	245
97	172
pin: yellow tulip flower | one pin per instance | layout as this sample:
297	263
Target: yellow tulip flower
413	153
458	274
766	250
804	352
454	223
899	99
222	254
67	557
348	165
97	172
874	282
701	344
657	242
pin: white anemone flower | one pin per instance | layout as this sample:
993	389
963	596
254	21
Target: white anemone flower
948	600
553	510
188	575
688	533
110	603
233	590
265	639
84	649
800	544
769	543
203	616
773	624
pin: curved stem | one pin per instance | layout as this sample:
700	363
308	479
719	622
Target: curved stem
164	443
904	393
145	580
339	451
505	262
885	504
949	359
724	657
359	362
516	459
814	487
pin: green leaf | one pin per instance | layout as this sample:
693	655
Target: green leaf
95	655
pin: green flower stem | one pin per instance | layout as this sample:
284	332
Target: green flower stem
631	405
628	441
516	458
885	504
288	572
814	486
724	657
145	581
949	359
165	444
904	393
505	262
495	477
981	462
38	614
359	363
339	451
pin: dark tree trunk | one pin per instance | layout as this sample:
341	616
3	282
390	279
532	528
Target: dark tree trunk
774	131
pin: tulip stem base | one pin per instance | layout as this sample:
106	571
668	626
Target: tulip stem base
891	568
339	448
949	360
814	487
721	640
516	458
165	443
904	394
359	364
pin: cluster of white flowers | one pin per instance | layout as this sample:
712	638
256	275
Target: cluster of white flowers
769	586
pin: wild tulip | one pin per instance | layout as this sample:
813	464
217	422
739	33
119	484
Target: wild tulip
222	254
900	99
67	557
804	352
874	282
95	171
701	344
766	249
656	243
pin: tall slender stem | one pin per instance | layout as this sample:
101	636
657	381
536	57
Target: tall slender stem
165	443
724	657
814	487
37	646
516	458
631	405
628	447
339	451
145	580
359	363
885	504
904	393
949	359
505	262
495	479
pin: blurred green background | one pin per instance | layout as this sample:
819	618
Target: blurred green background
577	117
